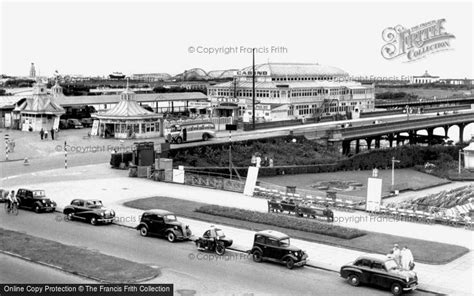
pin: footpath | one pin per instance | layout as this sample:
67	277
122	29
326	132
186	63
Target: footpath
114	188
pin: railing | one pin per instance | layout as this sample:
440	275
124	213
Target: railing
379	103
411	124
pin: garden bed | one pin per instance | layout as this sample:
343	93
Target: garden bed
75	260
282	220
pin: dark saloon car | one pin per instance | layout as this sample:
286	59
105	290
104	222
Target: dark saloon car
379	270
275	246
163	223
35	200
89	210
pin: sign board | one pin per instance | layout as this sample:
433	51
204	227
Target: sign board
252	176
56	123
231	127
199	105
95	128
374	194
8	120
178	176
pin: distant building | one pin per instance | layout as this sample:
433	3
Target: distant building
128	120
32	71
425	79
151	77
285	91
40	111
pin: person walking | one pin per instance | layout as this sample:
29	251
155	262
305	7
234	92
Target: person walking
52	133
46	134
42	133
407	259
396	254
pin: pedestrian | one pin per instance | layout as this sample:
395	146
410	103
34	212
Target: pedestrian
396	254
253	161
407	260
42	133
46	134
52	133
270	162
258	161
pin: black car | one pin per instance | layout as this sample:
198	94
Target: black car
379	270
35	200
163	223
275	246
89	210
86	122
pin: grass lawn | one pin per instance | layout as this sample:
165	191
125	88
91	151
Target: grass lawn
424	251
405	178
76	260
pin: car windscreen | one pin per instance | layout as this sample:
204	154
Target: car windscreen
285	242
220	233
94	204
169	218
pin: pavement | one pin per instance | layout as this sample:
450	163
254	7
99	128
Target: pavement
454	278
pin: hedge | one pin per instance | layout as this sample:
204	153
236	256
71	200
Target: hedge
280	220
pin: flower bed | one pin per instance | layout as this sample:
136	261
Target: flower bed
280	220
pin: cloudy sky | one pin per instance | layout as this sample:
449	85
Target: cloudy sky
97	38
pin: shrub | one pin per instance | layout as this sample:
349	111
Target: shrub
290	222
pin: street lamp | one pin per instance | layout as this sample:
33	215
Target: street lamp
459	162
393	171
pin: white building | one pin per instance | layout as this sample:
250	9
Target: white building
285	91
425	79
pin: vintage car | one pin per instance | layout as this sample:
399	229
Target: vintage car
379	270
163	223
275	246
74	123
89	210
214	240
35	200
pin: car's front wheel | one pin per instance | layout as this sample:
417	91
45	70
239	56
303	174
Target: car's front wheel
257	256
69	216
396	289
220	249
171	237
37	209
354	280
290	263
205	137
143	231
93	221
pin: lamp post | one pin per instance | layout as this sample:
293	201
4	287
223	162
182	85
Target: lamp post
393	170
459	162
253	88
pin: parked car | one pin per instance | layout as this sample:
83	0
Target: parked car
3	195
74	123
163	223
87	122
379	270
35	200
89	210
275	246
62	124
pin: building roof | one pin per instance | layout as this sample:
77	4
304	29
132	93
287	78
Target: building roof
426	75
273	233
290	84
127	108
40	102
141	98
295	69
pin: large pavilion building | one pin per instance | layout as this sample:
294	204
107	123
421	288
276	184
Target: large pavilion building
127	120
39	111
285	91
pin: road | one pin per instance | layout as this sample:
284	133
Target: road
182	264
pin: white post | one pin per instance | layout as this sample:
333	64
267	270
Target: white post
459	163
65	155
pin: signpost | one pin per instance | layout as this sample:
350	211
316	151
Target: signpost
65	155
7	139
230	128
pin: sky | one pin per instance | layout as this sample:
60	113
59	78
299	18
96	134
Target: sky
98	38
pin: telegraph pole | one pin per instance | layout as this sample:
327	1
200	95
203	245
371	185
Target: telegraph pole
253	88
